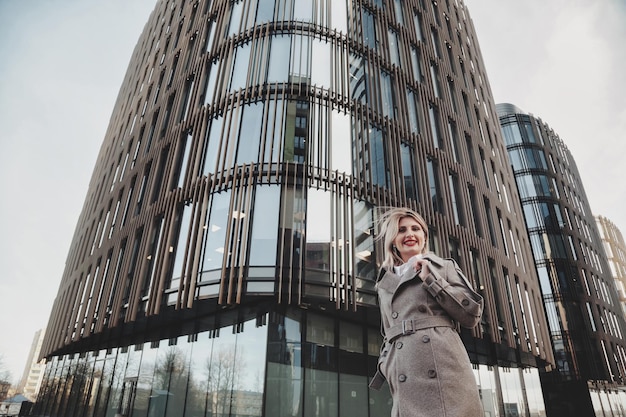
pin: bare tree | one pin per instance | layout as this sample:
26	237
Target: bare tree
5	374
224	378
5	380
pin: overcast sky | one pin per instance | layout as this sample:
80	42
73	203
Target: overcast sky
63	62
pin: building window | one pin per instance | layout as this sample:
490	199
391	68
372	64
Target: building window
407	172
432	170
264	234
186	99
358	78
369	29
213	241
512	134
394	51
182	159
433	113
318	238
241	63
397	6
387	94
434	37
417	24
322	53
414	111
365	261
340	142
377	163
457	208
434	78
212	145
452	95
249	134
454	250
280	48
142	188
179	251
454	141
416	63
471	194
470	155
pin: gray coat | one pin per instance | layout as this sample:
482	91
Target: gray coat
422	357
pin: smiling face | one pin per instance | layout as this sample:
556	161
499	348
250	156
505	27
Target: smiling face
411	238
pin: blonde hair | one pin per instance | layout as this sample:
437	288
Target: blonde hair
388	230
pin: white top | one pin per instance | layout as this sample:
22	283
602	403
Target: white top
401	269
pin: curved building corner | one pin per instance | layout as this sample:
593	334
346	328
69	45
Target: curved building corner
225	259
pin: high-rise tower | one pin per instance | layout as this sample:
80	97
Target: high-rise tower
615	249
225	258
33	371
581	302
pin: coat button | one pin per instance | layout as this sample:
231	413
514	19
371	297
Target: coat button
421	308
425	339
394	314
399	345
402	378
465	302
432	373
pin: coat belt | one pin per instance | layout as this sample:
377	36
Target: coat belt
412	325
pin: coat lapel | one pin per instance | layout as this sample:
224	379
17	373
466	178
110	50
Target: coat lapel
390	282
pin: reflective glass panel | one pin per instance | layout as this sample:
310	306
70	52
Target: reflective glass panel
279	55
265	226
213	139
300	66
364	237
341	142
339	15
353	395
387	93
199	366
486	380
512	394
321	71
358	78
284	366
318	236
240	67
265	11
215	234
177	360
534	395
378	165
320	393
250	133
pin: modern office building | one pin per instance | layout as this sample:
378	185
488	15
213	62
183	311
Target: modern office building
33	371
580	298
225	259
615	249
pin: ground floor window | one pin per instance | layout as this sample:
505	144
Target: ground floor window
290	363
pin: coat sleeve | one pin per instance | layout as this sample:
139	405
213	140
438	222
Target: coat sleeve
454	294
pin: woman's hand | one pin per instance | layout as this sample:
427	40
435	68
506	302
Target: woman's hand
422	267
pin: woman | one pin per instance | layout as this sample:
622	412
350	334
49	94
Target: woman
422	297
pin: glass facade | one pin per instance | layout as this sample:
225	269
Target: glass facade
581	303
290	363
227	243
